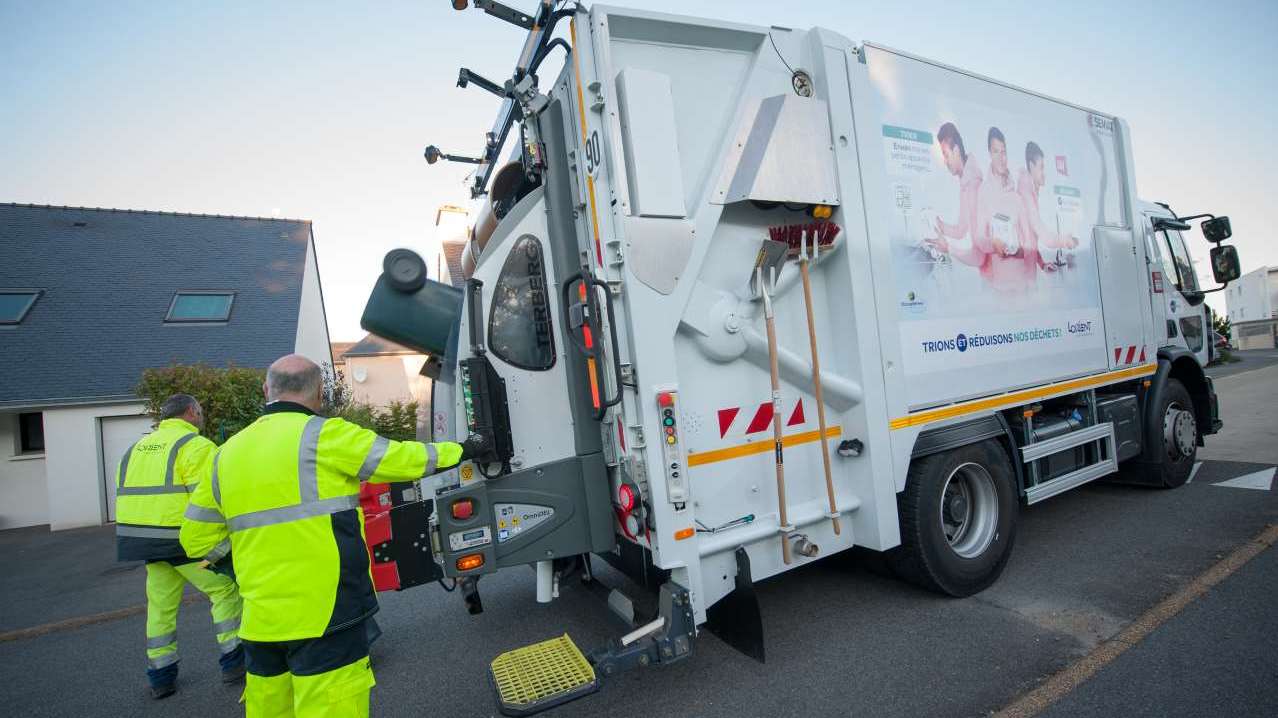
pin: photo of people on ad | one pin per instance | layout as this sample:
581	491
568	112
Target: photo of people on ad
992	203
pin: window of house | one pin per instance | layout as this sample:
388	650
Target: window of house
15	303
200	307
31	433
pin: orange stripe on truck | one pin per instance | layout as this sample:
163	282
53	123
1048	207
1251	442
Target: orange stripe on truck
760	447
1019	397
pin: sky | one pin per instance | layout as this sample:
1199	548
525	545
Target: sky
320	110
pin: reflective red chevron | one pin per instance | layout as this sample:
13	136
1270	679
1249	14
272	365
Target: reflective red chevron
762	418
725	419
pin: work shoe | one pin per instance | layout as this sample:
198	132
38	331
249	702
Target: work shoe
234	674
164	691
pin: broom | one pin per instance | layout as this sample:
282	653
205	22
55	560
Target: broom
818	236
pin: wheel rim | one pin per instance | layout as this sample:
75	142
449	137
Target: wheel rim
969	510
1180	431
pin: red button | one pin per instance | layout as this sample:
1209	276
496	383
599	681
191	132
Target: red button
463	509
665	399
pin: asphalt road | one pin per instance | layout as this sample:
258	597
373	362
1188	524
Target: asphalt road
842	640
1244	361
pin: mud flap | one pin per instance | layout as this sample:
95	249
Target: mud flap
736	618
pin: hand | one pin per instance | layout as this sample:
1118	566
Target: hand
474	446
1071	242
1000	247
940	245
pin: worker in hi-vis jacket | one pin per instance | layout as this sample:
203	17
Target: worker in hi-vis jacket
153	485
283	502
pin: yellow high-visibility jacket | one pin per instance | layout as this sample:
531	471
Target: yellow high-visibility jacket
153	482
283	499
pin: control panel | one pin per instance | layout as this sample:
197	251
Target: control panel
484	398
672	447
514	519
462	540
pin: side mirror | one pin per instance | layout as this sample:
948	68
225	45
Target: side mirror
1217	230
1225	266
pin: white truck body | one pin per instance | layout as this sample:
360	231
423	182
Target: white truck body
671	146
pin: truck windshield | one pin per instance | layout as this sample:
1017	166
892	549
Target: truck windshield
1176	262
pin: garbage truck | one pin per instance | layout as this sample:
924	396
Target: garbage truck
738	298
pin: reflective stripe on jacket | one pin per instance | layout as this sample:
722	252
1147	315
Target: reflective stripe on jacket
283	498
153	483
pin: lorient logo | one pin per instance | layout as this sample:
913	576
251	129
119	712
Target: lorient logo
1082	329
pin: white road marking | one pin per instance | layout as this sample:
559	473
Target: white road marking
1258	480
1194	472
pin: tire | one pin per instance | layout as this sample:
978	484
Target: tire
1179	438
967	554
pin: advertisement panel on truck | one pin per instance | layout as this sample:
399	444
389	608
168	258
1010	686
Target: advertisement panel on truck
992	195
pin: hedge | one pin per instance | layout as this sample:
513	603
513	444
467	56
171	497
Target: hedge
232	399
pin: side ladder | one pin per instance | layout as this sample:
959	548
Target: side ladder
1099	444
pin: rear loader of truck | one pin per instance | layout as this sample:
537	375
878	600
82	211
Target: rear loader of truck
738	298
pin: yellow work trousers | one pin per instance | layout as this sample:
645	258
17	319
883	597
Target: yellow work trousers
329	676
164	585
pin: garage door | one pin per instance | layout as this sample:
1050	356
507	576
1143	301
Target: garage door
118	434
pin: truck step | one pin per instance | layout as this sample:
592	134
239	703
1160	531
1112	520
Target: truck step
540	676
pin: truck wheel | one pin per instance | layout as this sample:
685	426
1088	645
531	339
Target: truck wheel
1179	438
958	519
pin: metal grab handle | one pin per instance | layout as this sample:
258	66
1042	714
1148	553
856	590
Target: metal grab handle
567	305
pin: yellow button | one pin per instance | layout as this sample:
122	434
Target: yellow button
670	440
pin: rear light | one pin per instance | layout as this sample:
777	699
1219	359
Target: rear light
626	497
463	509
682	534
665	399
588	339
470	562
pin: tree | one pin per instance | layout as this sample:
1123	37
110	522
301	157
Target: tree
1222	325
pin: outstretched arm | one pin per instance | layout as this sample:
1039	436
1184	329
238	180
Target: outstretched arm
362	455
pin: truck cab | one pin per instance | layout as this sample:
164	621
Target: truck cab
1181	317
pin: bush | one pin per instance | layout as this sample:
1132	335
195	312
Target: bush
231	397
397	421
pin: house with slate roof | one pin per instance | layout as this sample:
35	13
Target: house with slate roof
89	298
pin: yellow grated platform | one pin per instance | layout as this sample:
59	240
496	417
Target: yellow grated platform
540	676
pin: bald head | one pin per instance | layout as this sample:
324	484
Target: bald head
297	379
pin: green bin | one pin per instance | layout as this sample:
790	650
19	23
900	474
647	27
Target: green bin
420	319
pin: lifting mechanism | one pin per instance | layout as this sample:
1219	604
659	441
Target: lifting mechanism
536	677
